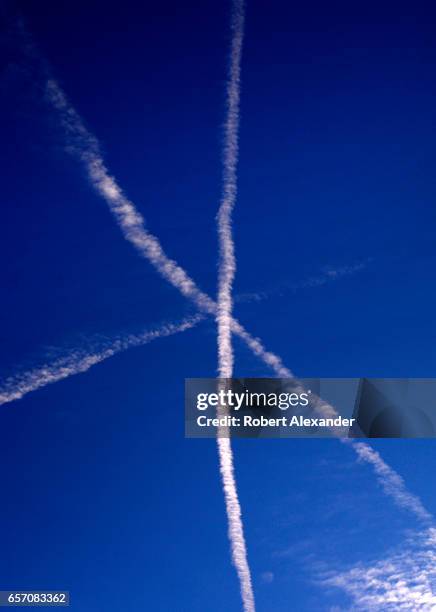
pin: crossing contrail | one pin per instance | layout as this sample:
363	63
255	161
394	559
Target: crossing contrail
85	146
227	266
82	144
78	361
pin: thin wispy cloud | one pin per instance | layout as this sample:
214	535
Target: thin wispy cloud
328	275
267	577
79	361
405	579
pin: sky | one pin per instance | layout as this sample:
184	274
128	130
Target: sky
103	496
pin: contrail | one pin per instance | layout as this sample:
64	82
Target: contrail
85	146
327	275
236	530
226	274
227	266
391	482
76	362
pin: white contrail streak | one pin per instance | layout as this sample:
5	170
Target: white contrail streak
226	274
76	362
227	266
236	529
85	146
391	482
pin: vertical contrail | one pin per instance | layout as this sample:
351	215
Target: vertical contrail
78	361
226	273
235	527
227	265
83	144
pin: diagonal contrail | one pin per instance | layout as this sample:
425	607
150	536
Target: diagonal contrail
78	361
391	482
226	274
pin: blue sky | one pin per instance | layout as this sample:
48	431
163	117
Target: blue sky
102	494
